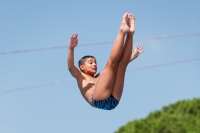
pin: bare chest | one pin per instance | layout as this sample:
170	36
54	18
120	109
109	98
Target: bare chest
89	84
87	87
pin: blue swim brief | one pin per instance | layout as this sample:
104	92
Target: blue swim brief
106	104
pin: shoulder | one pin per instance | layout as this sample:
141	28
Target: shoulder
82	78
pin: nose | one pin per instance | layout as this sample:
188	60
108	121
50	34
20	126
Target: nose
94	64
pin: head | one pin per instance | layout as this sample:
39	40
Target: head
88	64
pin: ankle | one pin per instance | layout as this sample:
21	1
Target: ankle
130	34
122	31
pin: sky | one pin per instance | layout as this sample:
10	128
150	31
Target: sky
57	107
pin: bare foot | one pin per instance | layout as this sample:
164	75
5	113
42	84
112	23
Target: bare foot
131	23
124	25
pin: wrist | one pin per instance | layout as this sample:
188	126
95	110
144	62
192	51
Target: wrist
71	48
134	56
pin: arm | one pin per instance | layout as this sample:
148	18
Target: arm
137	51
70	60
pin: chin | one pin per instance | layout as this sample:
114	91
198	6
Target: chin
94	72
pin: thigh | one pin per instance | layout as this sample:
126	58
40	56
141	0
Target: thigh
105	82
119	82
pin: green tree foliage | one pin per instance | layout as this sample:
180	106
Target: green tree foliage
181	117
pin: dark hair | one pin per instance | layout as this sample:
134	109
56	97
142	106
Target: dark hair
82	60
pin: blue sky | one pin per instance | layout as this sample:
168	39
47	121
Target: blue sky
61	108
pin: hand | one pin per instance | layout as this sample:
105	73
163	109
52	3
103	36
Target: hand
138	50
73	40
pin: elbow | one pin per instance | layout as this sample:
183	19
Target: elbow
69	67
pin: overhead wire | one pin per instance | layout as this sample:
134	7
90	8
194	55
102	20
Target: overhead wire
37	86
96	43
24	126
165	64
72	80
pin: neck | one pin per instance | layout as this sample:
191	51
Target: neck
91	75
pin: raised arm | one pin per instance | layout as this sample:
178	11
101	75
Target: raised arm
137	51
70	60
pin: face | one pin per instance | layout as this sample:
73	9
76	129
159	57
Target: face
89	66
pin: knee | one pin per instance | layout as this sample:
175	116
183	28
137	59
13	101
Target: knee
112	64
122	65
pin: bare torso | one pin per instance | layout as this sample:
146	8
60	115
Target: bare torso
87	86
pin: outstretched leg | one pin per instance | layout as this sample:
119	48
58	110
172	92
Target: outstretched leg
104	85
127	52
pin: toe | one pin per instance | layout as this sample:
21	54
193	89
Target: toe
125	15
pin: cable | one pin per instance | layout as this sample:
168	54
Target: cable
96	43
71	80
165	64
25	126
169	36
37	86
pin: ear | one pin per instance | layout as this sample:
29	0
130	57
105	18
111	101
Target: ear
82	67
